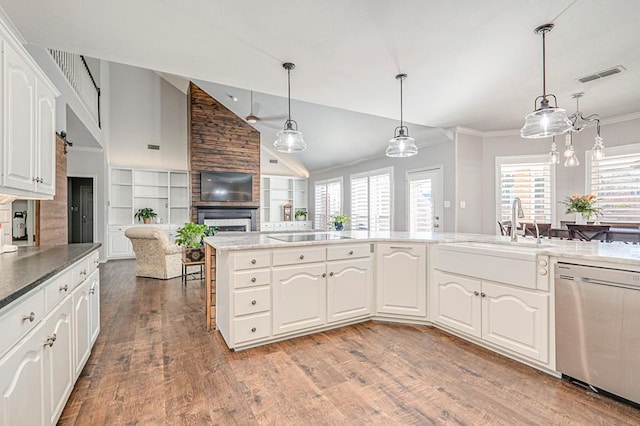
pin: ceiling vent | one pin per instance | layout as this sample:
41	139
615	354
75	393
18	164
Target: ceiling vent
153	147
602	74
273	161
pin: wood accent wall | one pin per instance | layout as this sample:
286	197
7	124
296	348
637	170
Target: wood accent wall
51	215
219	141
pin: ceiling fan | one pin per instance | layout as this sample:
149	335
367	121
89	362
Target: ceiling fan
253	118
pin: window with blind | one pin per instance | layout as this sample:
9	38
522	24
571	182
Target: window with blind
615	181
328	201
530	178
371	200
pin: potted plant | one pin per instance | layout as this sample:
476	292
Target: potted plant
145	214
338	221
301	215
190	236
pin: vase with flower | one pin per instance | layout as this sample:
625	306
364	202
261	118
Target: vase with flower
583	206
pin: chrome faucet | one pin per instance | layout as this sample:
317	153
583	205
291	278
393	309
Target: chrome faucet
516	204
538	240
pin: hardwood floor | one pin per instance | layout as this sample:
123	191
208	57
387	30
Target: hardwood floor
154	363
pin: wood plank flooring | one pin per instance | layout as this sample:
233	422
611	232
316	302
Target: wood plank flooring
154	364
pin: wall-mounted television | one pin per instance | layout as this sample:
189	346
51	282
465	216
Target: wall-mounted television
223	186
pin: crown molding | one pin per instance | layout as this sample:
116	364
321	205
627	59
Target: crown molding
621	118
469	131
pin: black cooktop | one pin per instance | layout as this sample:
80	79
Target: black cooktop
297	238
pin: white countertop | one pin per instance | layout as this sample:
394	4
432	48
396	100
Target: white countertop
616	253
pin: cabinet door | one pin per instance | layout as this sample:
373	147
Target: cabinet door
299	297
81	326
349	289
402	280
58	360
516	319
455	302
94	294
21	399
45	139
119	245
19	114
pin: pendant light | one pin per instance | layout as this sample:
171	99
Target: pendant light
546	120
579	122
251	118
289	139
569	152
401	145
554	155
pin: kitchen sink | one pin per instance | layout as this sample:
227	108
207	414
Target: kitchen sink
511	244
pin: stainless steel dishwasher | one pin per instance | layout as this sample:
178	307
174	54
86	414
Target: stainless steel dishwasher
598	327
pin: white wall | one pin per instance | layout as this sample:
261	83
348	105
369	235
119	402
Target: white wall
468	182
145	109
442	154
569	180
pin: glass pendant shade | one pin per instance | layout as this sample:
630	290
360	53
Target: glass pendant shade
289	140
598	149
554	155
402	146
545	122
572	161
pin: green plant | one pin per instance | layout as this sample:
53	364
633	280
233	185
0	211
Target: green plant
191	234
583	204
338	221
145	213
301	213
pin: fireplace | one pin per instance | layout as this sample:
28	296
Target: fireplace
229	218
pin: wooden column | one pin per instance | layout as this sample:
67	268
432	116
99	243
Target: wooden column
51	220
210	280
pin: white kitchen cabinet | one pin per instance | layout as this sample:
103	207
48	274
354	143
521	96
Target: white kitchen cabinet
349	289
512	318
119	245
94	295
401	272
58	360
454	302
28	124
299	297
82	325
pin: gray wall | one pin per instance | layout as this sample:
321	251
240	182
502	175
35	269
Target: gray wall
469	184
441	154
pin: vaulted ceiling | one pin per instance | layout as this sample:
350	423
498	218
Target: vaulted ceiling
470	63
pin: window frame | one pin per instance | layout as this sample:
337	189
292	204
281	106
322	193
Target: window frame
326	182
515	159
368	174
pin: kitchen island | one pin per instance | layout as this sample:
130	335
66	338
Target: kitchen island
268	287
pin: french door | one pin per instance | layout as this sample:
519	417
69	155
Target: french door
424	200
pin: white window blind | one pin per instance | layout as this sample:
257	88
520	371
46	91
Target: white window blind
615	181
328	201
371	201
531	180
420	204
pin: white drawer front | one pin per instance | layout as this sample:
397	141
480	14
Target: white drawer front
251	260
93	262
57	290
252	301
298	255
252	278
252	328
18	320
348	251
79	272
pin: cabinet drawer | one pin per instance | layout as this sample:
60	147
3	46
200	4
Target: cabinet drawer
17	321
348	251
57	290
252	278
251	260
252	328
79	272
298	255
251	301
93	262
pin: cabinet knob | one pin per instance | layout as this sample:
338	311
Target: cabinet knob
301	256
253	302
93	289
35	179
64	287
475	293
350	252
253	330
253	261
482	295
30	317
324	275
50	340
330	274
253	280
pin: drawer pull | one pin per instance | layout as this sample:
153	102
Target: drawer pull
30	317
253	261
50	340
324	275
93	289
483	295
253	280
253	330
253	302
64	288
301	256
350	252
330	274
475	293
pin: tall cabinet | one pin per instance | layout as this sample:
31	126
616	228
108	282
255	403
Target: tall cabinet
277	191
165	191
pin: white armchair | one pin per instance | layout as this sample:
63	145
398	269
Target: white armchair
156	256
